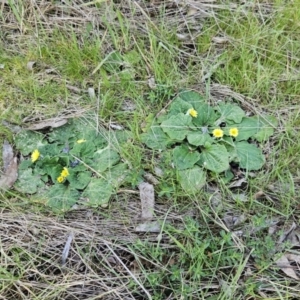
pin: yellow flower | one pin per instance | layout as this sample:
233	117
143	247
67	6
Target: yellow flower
60	179
192	112
218	133
80	141
35	155
64	173
234	132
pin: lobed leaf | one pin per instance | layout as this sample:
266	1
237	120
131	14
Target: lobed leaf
192	180
250	157
206	115
61	197
266	127
177	127
197	138
155	138
229	112
79	180
104	159
215	158
192	97
27	141
98	192
247	128
184	158
179	106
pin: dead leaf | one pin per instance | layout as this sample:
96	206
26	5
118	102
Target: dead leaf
242	182
158	172
233	221
151	178
285	266
273	229
51	71
73	88
116	126
287	235
128	105
10	168
259	195
293	257
248	272
7	155
53	123
220	40
147	200
151	83
182	37
192	11
30	65
10	175
91	93
12	127
148	227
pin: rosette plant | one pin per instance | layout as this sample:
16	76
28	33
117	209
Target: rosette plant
205	138
72	164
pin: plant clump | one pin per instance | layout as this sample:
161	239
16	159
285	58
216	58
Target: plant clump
71	164
206	139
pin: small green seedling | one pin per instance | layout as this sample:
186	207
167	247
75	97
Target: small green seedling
205	138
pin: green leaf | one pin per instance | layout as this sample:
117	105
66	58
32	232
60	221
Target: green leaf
79	180
98	192
104	159
250	157
184	101
51	167
27	141
132	57
215	158
117	174
229	112
51	149
229	144
177	127
228	176
179	106
113	61
25	164
122	136
89	133
83	150
155	138
28	182
192	180
184	158
61	197
247	128
192	97
266	127
148	122
64	134
206	115
197	138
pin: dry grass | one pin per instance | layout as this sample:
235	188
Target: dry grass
99	264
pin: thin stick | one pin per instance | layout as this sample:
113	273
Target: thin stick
66	250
